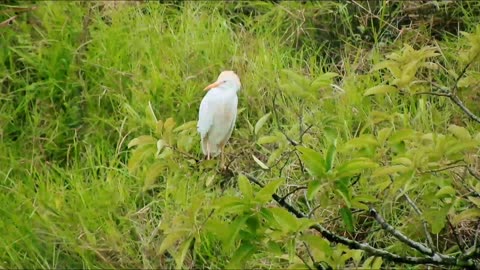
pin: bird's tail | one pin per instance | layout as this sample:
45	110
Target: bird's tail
214	148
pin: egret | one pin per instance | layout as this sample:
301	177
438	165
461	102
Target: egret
217	114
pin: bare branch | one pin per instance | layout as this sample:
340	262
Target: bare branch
460	104
400	236
435	259
424	223
293	191
455	235
434	94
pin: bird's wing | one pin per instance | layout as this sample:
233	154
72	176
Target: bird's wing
205	117
234	118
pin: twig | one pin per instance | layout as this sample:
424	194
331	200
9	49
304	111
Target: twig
436	259
291	192
473	173
444	168
309	253
400	236
455	235
424	222
434	94
7	21
460	104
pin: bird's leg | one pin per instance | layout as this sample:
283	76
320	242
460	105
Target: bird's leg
208	151
222	156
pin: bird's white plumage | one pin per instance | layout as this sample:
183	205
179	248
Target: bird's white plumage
218	113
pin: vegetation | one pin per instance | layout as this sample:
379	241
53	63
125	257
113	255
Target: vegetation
356	144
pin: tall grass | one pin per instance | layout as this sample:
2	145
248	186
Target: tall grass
76	82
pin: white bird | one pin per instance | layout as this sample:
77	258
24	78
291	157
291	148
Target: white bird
217	114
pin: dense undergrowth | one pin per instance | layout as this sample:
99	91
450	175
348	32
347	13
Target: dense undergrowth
345	107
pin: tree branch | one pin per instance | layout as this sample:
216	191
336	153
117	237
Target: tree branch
400	236
436	259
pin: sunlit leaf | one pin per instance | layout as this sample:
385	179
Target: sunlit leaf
389	170
313	160
240	256
365	140
380	89
355	166
469	214
341	187
347	218
182	252
261	122
260	163
142	140
460	132
286	220
170	240
245	186
267	140
265	194
330	158
313	188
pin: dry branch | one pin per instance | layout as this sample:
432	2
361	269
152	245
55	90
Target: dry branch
434	259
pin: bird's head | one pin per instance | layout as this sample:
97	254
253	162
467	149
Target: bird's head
226	80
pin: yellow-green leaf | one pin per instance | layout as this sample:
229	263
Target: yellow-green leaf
469	214
389	170
142	140
261	122
460	132
313	160
286	220
380	89
245	186
260	163
267	140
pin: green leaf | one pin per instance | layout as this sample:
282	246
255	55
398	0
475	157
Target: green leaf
318	244
361	142
313	188
142	140
235	226
402	135
240	256
160	145
186	126
377	263
347	218
469	214
286	220
152	173
330	158
380	89
267	140
230	204
474	200
182	252
265	194
245	186
355	166
459	132
170	240
446	191
260	163
169	124
389	170
341	187
261	122
313	160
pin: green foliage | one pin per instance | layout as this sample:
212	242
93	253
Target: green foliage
101	162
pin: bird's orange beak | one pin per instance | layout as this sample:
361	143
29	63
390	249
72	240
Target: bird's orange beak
213	85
